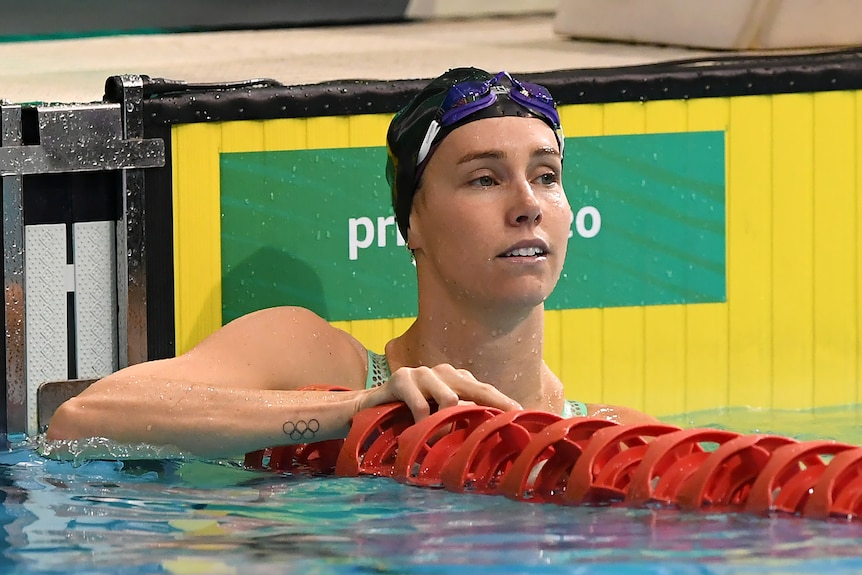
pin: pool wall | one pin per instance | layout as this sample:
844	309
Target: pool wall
52	19
714	258
766	311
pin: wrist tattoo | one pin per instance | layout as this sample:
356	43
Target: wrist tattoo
301	430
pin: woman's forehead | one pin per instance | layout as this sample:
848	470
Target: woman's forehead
508	133
509	129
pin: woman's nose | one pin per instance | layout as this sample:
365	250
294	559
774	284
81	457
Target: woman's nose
526	209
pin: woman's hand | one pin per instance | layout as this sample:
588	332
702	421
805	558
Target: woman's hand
443	384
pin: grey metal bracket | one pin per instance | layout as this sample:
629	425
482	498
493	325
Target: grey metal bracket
81	137
131	234
65	138
13	279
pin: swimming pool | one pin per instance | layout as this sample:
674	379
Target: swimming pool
191	516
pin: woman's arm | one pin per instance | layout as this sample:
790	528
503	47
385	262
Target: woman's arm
620	414
202	419
232	393
237	391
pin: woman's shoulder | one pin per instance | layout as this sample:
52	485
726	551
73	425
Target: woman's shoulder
619	414
296	322
296	339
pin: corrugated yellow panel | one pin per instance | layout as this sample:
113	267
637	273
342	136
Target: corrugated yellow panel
624	118
664	326
578	333
792	244
285	134
369	130
582	359
623	358
664	360
749	240
583	120
623	328
246	136
706	367
375	333
858	161
197	230
355	131
835	251
328	132
666	116
372	333
197	278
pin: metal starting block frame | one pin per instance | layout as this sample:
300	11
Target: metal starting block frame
74	271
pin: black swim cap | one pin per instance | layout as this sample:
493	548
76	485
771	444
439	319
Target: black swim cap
410	126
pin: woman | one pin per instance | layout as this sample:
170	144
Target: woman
475	165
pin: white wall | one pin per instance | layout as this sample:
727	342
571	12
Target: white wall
453	8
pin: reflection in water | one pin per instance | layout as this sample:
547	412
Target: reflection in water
183	515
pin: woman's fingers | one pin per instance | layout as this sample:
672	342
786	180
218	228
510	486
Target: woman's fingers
442	384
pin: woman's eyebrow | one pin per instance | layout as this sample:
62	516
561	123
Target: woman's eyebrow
546	151
484	155
501	155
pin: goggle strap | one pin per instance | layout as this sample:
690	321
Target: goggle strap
425	148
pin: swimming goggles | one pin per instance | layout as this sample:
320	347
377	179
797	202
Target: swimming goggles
466	98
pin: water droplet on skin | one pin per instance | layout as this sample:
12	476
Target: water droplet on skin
149	428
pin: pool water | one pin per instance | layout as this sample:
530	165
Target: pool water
189	516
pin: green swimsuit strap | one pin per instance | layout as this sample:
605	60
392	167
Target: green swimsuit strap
378	370
572	408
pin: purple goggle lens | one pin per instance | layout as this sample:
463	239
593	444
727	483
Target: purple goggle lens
466	98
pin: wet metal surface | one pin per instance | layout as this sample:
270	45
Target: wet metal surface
14	386
80	138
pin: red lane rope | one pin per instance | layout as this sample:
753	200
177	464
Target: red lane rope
539	457
541	472
487	454
372	448
725	478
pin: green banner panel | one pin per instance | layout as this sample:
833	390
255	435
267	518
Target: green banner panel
315	228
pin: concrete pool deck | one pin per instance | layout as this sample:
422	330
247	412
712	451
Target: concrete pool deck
74	70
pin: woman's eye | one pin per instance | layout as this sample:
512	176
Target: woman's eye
549	178
484	181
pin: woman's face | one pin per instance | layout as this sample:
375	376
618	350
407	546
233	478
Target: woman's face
491	221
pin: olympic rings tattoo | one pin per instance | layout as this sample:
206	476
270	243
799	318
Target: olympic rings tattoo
301	429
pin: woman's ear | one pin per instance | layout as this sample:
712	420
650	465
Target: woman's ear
414	231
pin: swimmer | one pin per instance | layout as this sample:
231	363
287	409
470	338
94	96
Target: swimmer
475	167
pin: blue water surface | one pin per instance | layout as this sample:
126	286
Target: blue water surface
187	516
